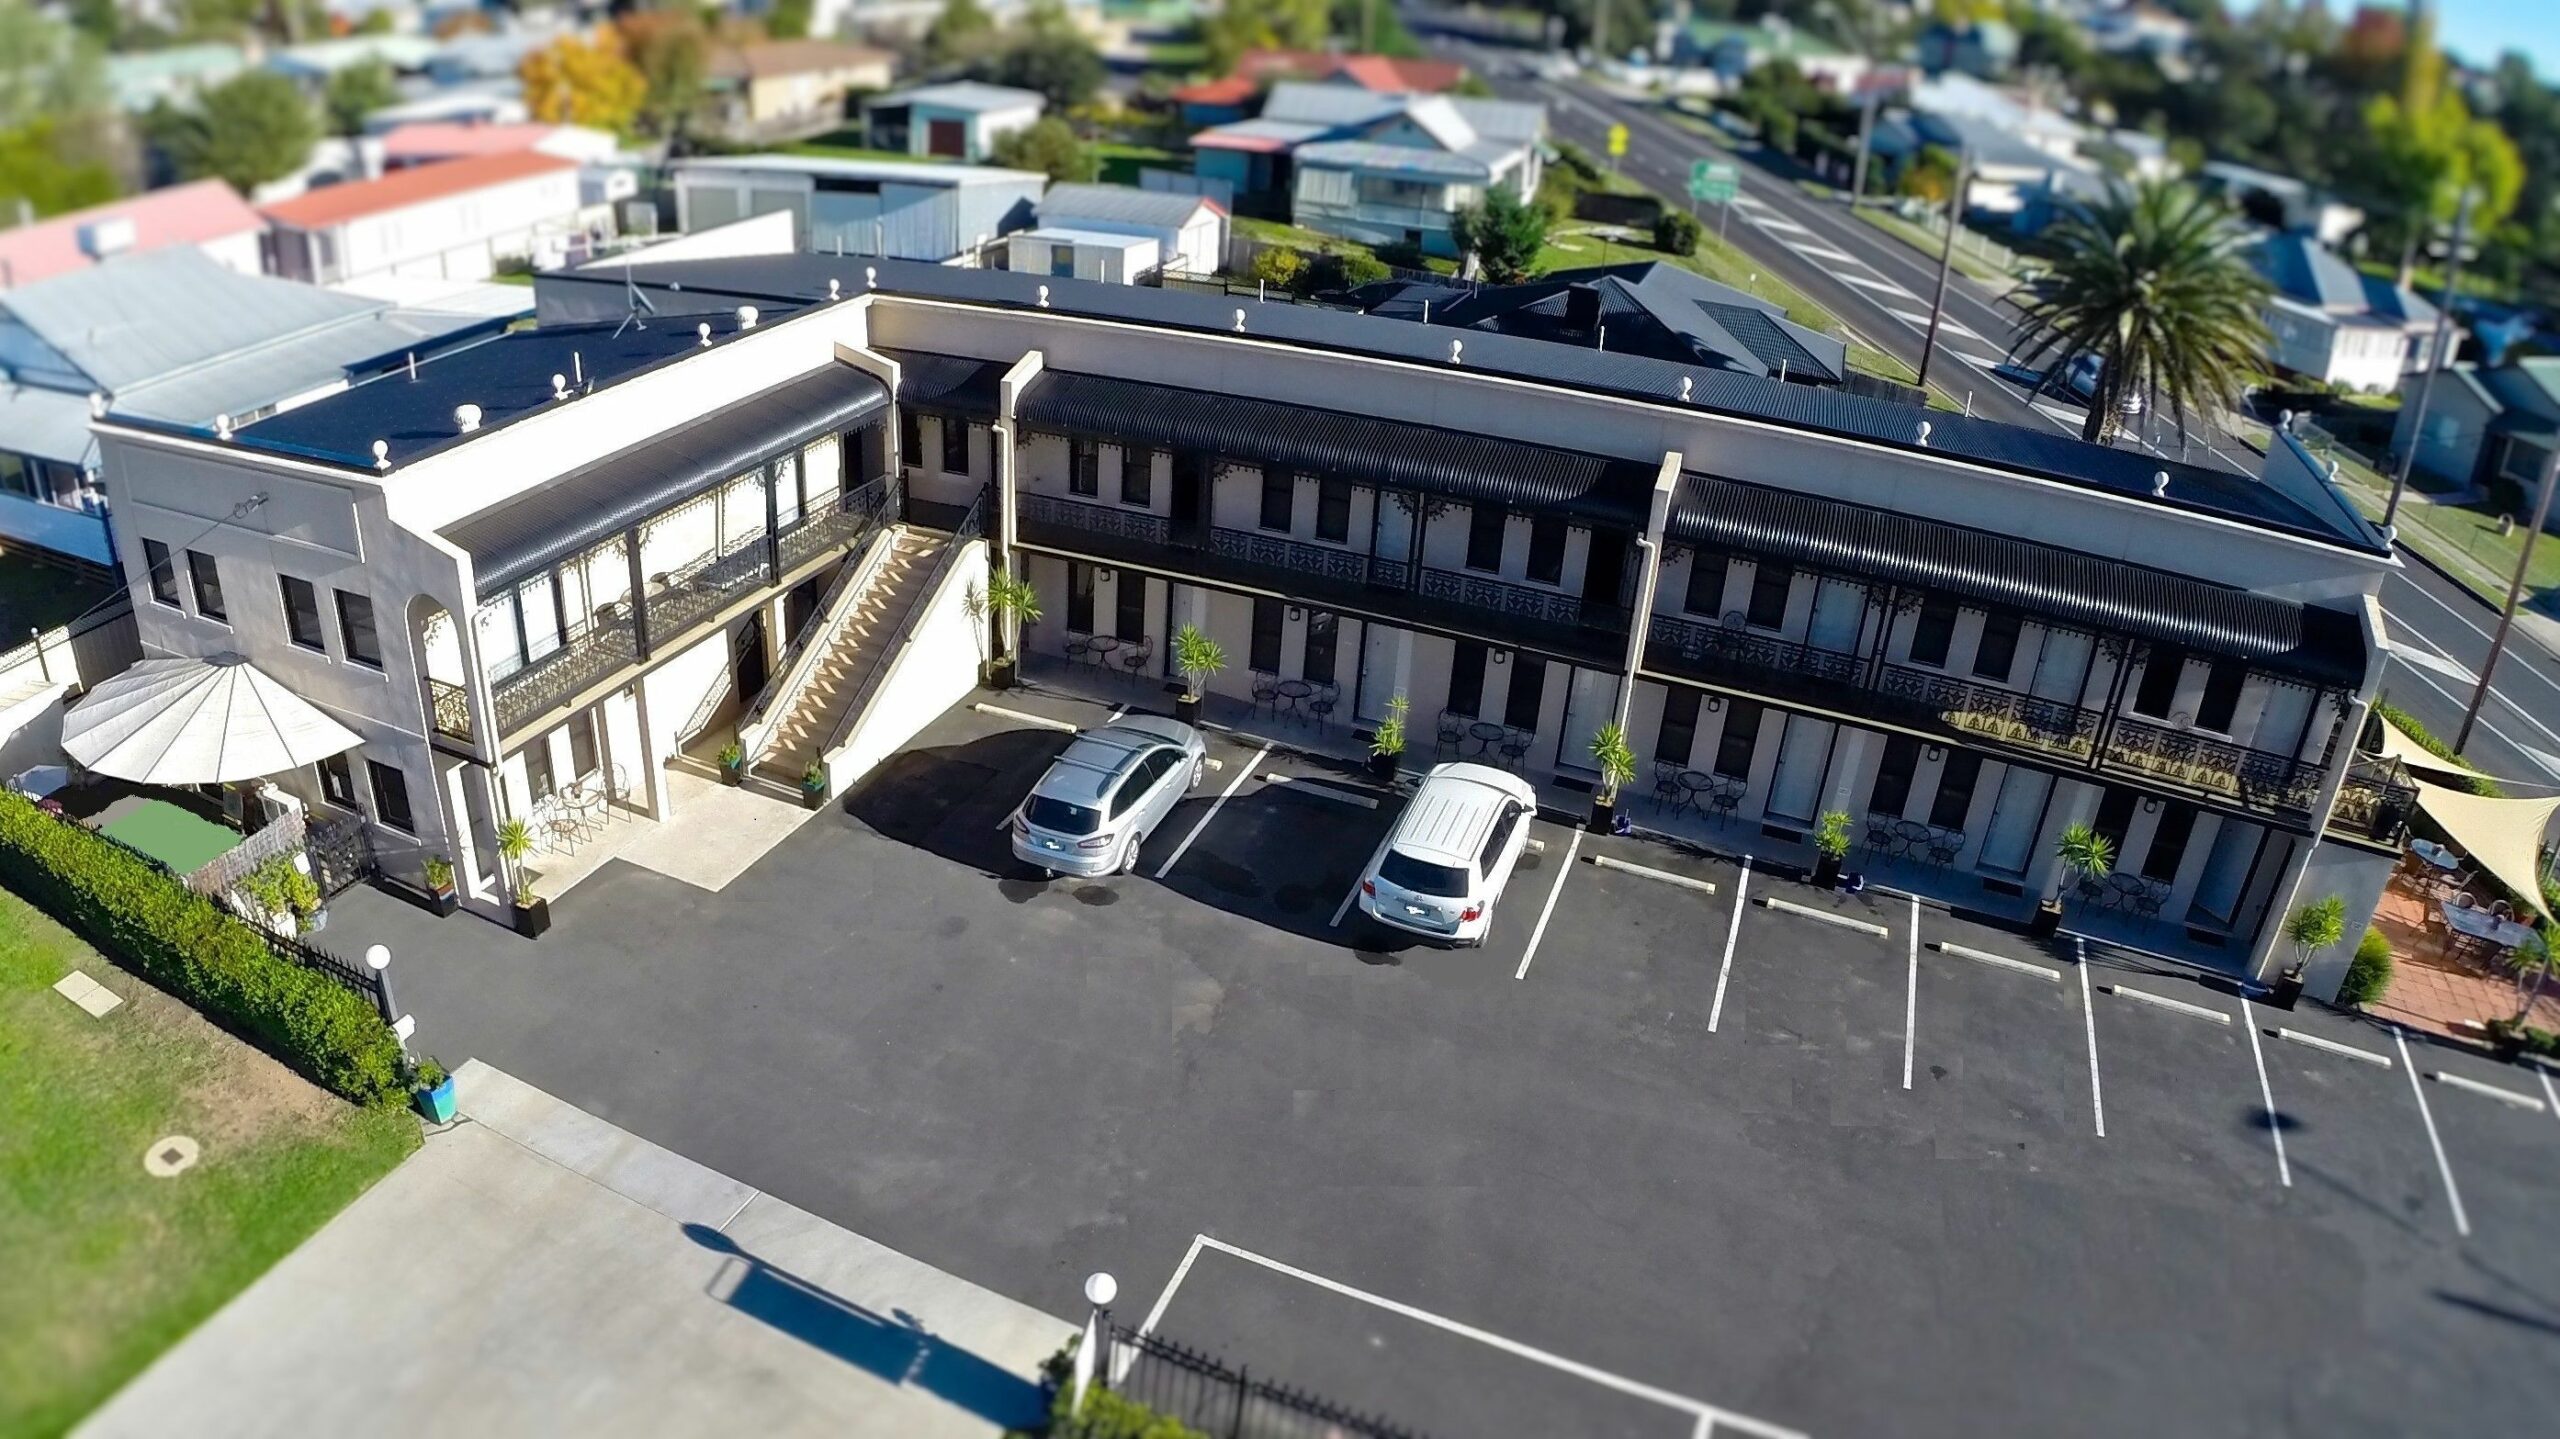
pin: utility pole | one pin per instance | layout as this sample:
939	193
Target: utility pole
2435	359
1946	261
1866	135
1600	30
2515	591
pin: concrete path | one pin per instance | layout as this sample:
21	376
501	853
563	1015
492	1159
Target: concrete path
534	1269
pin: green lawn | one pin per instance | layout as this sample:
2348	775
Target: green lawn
2462	538
109	1266
1121	161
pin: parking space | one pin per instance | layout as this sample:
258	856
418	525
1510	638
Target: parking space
2503	1146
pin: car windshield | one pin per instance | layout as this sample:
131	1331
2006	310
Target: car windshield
1059	817
1407	873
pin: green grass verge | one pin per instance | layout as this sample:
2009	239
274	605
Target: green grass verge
1972	267
110	1266
1180	57
2462	538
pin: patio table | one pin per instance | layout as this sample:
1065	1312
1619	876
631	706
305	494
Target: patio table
1909	834
1485	733
1295	692
2479	923
2435	855
1100	648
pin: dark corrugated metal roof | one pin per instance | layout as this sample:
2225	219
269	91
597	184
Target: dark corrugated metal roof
600	499
948	384
1458	466
2041	580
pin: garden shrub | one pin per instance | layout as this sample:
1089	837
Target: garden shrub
1110	1416
1678	233
2369	974
184	943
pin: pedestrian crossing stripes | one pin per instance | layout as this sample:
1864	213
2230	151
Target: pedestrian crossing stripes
1883	286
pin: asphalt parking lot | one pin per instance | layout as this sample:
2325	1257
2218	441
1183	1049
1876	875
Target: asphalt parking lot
1663	1158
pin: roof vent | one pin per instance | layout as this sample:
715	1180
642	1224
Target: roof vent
1685	383
1239	322
102	238
746	317
2159	484
2284	421
704	330
466	418
559	387
1924	434
382	454
97	405
871	277
835	288
222	427
1456	348
1044	297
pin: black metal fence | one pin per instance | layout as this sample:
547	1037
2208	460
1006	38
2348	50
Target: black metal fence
310	956
1224	1403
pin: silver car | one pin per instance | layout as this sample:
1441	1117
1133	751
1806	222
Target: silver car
1102	797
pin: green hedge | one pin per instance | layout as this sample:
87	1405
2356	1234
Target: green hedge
186	944
2369	974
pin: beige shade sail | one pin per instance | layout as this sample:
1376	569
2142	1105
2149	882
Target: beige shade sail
2502	836
198	721
2396	744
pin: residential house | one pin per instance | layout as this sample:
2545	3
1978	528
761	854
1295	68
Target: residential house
788	89
1815	601
2141	28
428	142
206	214
312	64
2280	202
1190	231
962	120
140	79
1233	96
901	209
1983	49
455	220
2330	322
1733	50
177	337
2485	423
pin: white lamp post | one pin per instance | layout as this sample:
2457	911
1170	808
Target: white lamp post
1099	1290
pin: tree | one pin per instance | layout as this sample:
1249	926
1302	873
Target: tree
1504	233
1048	145
1931	176
673	55
1677	232
573	81
34	170
355	92
1049	54
2315	927
2422	158
251	129
2151	279
961	32
789	19
1264	25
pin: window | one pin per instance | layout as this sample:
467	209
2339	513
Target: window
164	575
302	613
1079	597
208	582
16	477
1955	789
1706	584
1546	550
1279	499
1466	679
1484	538
2115	816
539	781
910	439
338	782
1137	475
1769	586
582	744
1322	630
1932	632
1084	468
1129	603
2221	702
1266	636
1498	838
1892	794
1333	510
1406	194
1679	732
1741	732
2169	842
1528	691
355	630
1142	778
1062	262
390	796
955	447
1998	652
2160	676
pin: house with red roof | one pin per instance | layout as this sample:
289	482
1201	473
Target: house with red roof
207	214
1233	96
453	220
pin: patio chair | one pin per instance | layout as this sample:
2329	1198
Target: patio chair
1667	788
1320	705
1879	833
2463	900
1515	747
1079	648
1945	845
2500	909
1135	657
1266	692
1453	730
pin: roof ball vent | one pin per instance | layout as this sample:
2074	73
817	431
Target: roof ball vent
835	288
1044	297
2159	484
559	387
1925	427
222	427
871	277
1456	348
382	454
704	330
746	317
466	418
1239	322
1686	384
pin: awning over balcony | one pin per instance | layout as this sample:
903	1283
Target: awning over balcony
1464	467
2040	580
602	498
948	384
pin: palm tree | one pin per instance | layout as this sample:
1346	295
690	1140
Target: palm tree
2150	279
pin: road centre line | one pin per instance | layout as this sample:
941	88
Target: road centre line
1732	931
1788	906
2491	1091
2468	676
2214	1016
1634	1388
2089	1018
1320	791
2343	1051
2275	1131
2000	961
1022	717
1602	861
1548	911
2453	1193
1215	805
1911	994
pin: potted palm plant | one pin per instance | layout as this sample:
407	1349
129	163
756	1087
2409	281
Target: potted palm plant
440	884
2084	854
1617	764
1386	746
431	1089
530	912
1011	603
733	763
2312	928
813	785
1197	657
2531	961
1830	846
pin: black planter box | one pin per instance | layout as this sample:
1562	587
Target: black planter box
1382	767
1186	710
1826	871
531	920
444	902
733	775
2047	921
812	798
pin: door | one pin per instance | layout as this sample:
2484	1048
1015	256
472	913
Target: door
749	662
1190	498
799	606
1379	646
1590	701
1604	573
2062	666
948	139
1838	609
1802	755
2008	842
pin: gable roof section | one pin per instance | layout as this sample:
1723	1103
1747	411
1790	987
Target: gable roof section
2531	384
1121	204
1651	308
189	214
2305	270
767	58
424	184
972	95
142	317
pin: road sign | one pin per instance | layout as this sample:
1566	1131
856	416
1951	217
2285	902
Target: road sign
1716	180
1617	141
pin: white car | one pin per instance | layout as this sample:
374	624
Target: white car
1443	867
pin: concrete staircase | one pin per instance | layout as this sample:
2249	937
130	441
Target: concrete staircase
865	637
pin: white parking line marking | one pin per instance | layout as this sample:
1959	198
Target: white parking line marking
2491	1091
1339	910
1602	861
2266	1095
1547	912
2548	1092
1719	1417
1216	805
1320	791
1116	712
1043	721
1732	931
2461	1221
1911	994
2343	1051
1789	906
2180	1006
1181	1272
2089	1017
2002	961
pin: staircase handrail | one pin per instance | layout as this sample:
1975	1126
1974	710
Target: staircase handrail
971	526
809	649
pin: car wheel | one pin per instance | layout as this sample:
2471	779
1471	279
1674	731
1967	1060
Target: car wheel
1129	857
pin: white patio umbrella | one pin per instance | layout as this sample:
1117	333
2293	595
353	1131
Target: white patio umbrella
198	721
